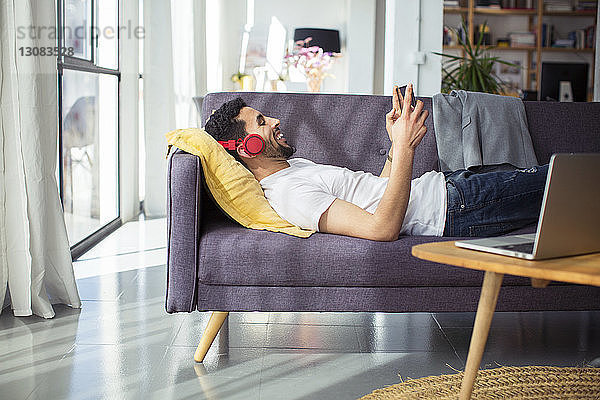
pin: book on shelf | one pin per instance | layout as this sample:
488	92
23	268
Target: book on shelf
522	39
565	43
516	4
548	35
578	39
451	4
582	38
586	5
490	4
558	5
503	4
451	36
590	36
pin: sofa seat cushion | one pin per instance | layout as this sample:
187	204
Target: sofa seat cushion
232	255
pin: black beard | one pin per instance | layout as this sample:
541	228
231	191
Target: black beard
280	151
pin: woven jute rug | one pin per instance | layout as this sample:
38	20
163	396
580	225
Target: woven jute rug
502	383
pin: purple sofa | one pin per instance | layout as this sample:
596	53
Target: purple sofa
216	264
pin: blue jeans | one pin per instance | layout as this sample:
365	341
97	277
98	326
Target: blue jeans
493	203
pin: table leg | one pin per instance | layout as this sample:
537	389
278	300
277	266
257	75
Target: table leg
485	311
539	283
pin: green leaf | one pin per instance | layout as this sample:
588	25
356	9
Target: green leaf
450	56
484	86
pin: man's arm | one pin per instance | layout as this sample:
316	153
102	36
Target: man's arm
344	218
348	219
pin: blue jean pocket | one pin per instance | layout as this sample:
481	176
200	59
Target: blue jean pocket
455	199
494	229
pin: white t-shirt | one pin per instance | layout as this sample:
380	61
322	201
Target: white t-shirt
301	193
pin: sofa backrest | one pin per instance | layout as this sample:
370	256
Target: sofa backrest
563	128
349	130
337	129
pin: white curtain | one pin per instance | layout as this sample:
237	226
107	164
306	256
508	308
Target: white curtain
35	261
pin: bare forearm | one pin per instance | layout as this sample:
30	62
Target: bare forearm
392	207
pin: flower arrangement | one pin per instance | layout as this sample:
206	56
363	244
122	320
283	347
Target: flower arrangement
312	61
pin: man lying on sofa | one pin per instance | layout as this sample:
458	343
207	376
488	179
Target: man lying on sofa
336	200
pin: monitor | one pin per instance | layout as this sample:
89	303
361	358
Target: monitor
555	73
327	39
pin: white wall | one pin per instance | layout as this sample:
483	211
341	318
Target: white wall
159	103
331	15
200	47
175	71
224	25
128	114
360	45
413	27
379	53
355	19
183	52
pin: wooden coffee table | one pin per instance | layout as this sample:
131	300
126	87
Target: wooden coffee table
583	270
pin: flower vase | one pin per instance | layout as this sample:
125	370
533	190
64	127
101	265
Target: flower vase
314	81
247	83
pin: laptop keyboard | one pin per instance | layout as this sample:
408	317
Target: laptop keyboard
521	247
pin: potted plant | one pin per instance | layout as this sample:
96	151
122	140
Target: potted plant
474	70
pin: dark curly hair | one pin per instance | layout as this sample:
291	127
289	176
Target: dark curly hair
223	124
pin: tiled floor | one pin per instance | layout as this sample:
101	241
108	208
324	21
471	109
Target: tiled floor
123	345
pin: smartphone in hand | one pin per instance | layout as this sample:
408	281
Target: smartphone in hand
401	91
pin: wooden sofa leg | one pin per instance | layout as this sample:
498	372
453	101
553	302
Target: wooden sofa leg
214	324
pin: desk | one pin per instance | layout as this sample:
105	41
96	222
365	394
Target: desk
584	269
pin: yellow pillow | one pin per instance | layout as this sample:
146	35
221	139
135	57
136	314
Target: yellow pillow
233	187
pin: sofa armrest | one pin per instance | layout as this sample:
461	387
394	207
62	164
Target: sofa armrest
184	185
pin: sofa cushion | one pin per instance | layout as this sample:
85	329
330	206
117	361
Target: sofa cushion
563	128
231	255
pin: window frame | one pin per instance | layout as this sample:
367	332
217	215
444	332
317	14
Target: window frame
65	62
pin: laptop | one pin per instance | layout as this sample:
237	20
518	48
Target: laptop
569	222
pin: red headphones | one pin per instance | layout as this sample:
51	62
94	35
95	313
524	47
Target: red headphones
252	144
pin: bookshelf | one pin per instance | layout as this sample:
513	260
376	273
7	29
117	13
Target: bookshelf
532	21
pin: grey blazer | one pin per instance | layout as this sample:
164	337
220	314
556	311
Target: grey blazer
480	129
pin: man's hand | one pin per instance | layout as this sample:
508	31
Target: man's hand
408	129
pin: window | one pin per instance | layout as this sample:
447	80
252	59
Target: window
88	92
